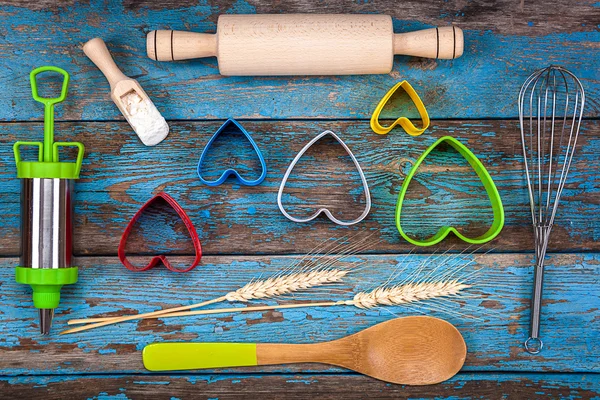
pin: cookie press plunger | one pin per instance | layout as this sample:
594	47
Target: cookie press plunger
46	211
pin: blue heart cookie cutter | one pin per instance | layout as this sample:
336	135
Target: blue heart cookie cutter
231	171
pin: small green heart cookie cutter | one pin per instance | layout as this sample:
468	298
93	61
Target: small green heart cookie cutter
487	182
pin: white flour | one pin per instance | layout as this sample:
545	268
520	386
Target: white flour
145	119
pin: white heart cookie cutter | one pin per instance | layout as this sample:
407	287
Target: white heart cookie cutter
323	209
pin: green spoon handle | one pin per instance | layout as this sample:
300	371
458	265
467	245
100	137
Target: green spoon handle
185	356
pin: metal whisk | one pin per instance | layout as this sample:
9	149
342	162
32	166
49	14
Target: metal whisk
551	105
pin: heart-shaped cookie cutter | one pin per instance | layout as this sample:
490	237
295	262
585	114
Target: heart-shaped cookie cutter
323	209
404	122
231	171
160	258
487	182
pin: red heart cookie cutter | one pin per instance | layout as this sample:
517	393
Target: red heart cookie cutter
160	258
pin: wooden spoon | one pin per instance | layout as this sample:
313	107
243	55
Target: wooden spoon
409	351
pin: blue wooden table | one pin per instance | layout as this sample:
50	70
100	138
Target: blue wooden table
245	236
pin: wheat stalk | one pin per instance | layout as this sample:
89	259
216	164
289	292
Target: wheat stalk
257	289
380	296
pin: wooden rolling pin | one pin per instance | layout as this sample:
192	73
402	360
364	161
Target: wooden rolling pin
304	44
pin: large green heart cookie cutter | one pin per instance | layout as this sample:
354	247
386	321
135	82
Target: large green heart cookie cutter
488	183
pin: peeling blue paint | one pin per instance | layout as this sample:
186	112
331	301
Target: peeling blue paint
305	381
571	309
568	385
452	83
106	396
463	88
205	205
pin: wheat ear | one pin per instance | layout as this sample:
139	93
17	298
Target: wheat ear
258	289
381	296
408	293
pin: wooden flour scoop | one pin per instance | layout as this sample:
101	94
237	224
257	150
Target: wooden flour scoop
409	351
128	95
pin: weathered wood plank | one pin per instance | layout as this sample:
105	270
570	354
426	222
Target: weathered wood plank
570	319
501	15
338	386
505	41
504	44
119	174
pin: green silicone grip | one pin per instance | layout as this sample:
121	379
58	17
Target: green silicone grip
184	356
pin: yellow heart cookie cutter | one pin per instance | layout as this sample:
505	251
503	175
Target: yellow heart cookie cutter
404	122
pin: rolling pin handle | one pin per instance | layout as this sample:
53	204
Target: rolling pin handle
446	43
167	45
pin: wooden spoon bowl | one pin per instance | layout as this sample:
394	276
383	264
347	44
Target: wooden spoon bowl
410	350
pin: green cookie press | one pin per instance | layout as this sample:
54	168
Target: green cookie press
46	210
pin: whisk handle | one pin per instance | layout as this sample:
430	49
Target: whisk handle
534	344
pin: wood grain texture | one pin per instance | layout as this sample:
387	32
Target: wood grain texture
297	44
570	318
502	16
500	52
417	350
300	386
119	174
504	42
